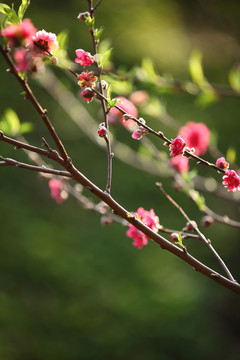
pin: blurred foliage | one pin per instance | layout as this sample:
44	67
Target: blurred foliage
71	289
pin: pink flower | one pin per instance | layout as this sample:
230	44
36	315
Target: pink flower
20	34
148	218
87	94
84	58
231	180
197	136
46	40
26	62
222	163
56	190
177	146
180	163
115	115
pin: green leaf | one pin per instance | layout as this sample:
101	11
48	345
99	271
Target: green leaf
231	155
198	199
22	9
148	68
195	68
26	127
109	93
98	33
11	13
4	22
105	50
206	98
62	39
10	123
234	78
180	240
112	103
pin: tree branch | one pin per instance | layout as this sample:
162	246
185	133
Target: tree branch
41	169
30	96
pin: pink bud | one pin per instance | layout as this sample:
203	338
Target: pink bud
88	94
137	134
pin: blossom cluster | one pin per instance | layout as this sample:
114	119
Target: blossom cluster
86	79
29	45
148	218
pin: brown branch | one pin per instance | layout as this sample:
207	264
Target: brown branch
52	154
164	243
30	96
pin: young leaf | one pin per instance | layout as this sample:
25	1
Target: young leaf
22	9
98	33
11	13
109	94
112	103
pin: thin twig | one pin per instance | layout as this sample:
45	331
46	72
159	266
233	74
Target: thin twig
21	145
201	236
95	7
104	107
12	162
163	137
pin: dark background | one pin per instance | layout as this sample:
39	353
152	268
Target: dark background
72	289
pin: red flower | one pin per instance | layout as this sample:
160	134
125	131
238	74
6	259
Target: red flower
231	180
87	79
148	218
197	136
116	116
177	146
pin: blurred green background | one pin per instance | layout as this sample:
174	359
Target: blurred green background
72	289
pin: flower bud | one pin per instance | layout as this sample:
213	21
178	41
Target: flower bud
54	60
105	220
87	94
137	134
83	16
102	130
126	117
190	225
174	237
207	221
